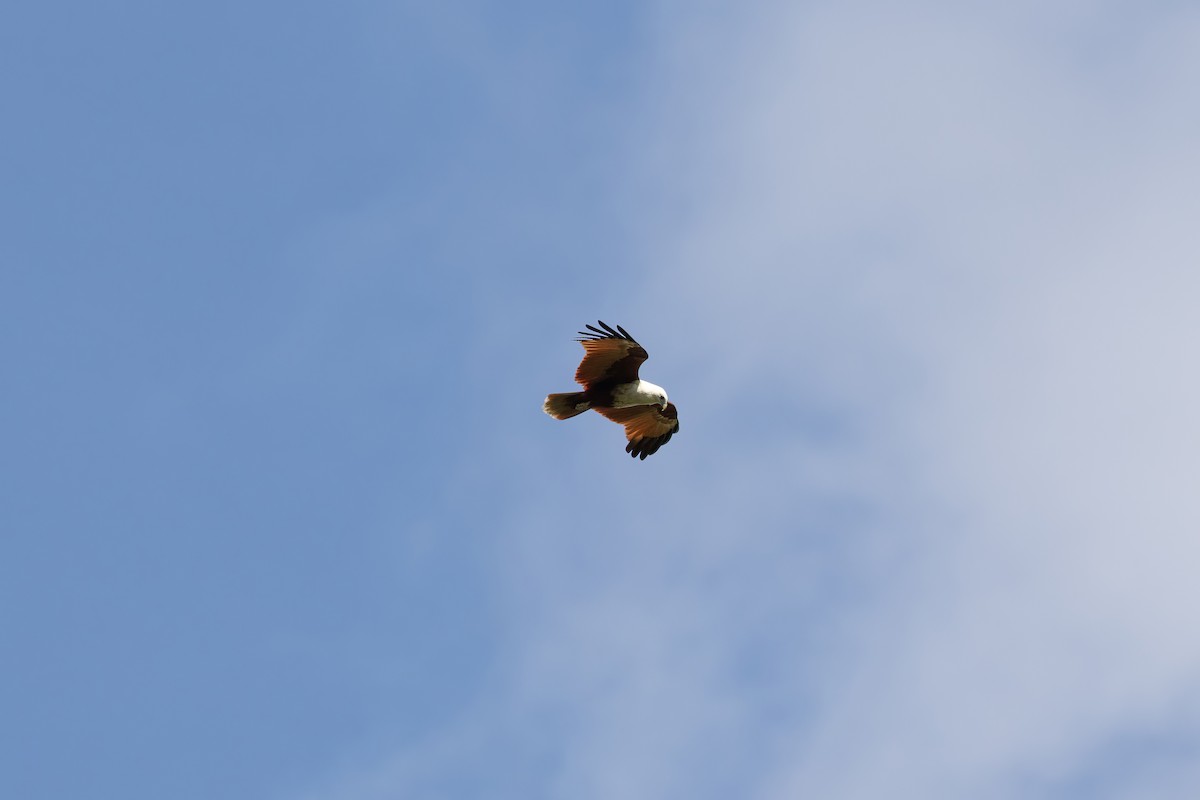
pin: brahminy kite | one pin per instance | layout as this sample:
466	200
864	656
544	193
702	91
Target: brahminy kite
611	387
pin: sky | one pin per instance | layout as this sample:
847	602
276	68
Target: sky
284	286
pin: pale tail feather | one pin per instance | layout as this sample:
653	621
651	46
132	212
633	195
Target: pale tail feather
566	405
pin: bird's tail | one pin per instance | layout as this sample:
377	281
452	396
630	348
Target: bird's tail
566	405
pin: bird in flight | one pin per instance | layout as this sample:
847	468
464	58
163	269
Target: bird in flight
611	387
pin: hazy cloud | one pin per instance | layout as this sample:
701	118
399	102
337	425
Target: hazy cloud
929	528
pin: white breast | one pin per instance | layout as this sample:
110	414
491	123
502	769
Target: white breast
638	393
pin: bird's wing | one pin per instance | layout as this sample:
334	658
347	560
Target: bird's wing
646	427
611	355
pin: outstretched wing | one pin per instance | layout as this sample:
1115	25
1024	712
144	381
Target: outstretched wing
612	355
646	427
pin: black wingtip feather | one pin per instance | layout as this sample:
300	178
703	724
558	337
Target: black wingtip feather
640	448
606	331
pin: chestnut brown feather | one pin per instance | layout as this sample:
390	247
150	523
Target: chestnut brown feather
646	427
612	355
609	360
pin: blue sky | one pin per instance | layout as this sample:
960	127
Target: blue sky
284	286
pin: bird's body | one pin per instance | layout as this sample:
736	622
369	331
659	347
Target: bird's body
611	387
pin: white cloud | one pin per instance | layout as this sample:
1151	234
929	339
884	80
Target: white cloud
946	547
981	242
